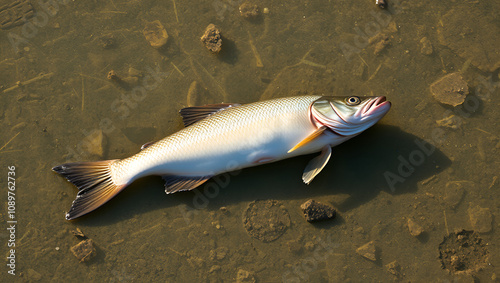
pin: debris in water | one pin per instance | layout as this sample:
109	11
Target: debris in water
452	122
426	48
454	193
380	46
316	211
84	250
367	251
78	233
212	38
155	34
393	268
450	89
414	228
480	218
95	144
245	276
113	76
249	11
15	13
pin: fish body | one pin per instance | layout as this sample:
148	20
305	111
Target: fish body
238	137
227	137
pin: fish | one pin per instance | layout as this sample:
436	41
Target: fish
219	138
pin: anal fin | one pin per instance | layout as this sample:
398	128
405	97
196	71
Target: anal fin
175	183
317	164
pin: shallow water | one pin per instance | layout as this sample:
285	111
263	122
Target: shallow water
55	96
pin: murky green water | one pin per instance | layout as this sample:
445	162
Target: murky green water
55	96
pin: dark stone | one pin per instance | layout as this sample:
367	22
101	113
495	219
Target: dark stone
316	211
212	38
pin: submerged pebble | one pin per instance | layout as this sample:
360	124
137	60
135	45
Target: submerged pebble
212	39
414	228
155	34
480	218
316	211
367	251
84	250
450	89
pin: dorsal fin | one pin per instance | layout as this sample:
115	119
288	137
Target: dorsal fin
148	144
191	115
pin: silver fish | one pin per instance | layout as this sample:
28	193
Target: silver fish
220	138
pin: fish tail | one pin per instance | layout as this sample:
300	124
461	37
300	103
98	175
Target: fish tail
95	185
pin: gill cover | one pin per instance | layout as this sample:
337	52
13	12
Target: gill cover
348	116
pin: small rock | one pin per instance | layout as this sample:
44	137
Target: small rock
367	251
249	11
480	219
113	76
78	233
426	48
84	250
244	276
415	229
450	89
212	38
95	143
132	72
393	268
316	211
454	193
155	34
380	46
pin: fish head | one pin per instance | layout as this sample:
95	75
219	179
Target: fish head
348	116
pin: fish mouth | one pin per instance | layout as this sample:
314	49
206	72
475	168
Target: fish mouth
379	104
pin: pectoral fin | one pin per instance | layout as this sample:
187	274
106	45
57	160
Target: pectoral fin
316	165
309	138
175	184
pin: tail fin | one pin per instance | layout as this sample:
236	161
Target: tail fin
94	182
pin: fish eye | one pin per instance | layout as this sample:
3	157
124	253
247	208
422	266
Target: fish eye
352	100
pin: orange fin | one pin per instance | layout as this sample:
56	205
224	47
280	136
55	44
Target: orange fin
309	138
175	184
191	115
317	164
94	182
